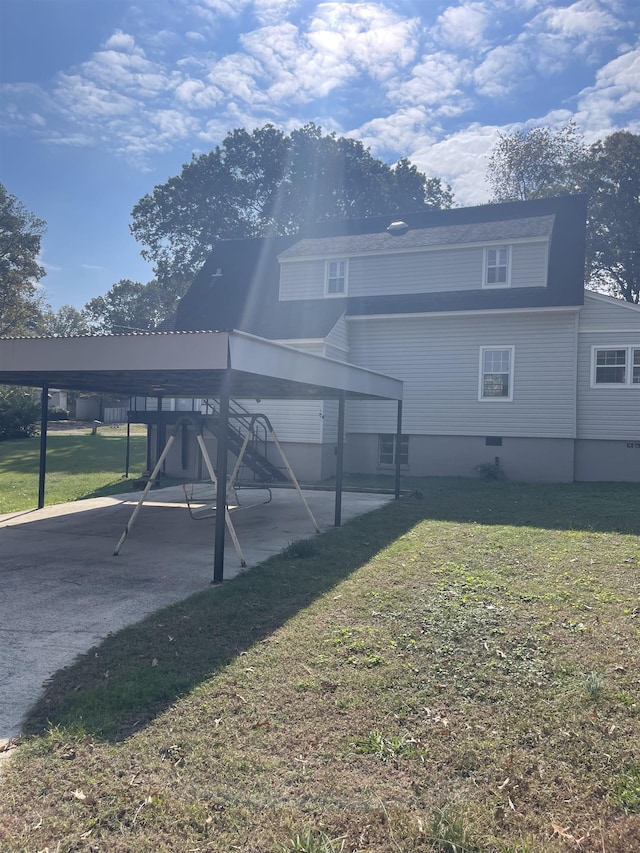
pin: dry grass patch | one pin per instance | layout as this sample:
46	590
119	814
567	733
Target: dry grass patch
457	673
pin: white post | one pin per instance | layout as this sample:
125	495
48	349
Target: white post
292	477
212	475
150	483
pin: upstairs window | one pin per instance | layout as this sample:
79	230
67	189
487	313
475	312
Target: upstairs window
619	366
336	278
497	263
496	373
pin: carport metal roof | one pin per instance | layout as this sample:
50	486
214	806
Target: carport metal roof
186	364
224	365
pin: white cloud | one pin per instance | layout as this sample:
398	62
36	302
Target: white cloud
394	136
461	161
194	94
462	26
614	100
437	80
547	45
120	41
585	19
504	68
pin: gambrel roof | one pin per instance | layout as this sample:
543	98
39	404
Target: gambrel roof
238	287
495	231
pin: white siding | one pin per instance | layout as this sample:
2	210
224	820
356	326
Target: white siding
605	312
293	420
337	341
607	413
303	280
455	268
416	272
330	421
529	265
438	359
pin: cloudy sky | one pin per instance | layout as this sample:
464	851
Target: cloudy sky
103	99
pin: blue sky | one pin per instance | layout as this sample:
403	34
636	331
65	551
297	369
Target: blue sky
103	99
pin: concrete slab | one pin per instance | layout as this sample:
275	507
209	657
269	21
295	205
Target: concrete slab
63	590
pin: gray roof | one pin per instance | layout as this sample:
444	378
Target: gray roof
418	238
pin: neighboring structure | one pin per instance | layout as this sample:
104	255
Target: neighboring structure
480	311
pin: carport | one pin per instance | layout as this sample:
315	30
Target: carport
222	365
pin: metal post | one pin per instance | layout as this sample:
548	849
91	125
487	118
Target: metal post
398	444
221	474
161	437
44	423
339	460
127	458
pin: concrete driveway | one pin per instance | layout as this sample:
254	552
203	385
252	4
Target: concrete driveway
62	590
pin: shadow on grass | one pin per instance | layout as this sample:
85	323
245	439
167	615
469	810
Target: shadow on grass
70	454
597	507
133	675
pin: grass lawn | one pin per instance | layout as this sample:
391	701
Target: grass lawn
79	465
456	672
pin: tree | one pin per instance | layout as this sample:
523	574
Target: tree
265	181
19	412
20	272
67	320
613	235
130	306
536	163
544	162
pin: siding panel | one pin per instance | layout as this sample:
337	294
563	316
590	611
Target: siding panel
438	360
607	413
529	265
455	268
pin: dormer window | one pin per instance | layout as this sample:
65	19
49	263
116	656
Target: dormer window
497	266
336	278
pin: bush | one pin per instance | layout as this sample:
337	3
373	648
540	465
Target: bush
56	414
19	412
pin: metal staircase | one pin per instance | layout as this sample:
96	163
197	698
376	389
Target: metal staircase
250	429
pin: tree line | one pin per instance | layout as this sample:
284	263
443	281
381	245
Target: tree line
269	182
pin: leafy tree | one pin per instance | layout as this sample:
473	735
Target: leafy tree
67	320
536	163
20	272
613	234
130	306
543	162
19	412
266	181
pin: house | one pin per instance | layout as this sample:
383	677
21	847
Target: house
481	312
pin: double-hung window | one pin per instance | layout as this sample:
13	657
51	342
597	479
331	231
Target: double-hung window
387	449
615	366
336	277
496	373
497	266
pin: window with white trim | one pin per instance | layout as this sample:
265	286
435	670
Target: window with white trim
497	266
496	373
336	278
615	366
387	449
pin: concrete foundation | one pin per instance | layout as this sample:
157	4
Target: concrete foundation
613	461
545	460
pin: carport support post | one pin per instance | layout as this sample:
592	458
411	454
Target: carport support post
221	474
398	443
44	422
339	460
128	455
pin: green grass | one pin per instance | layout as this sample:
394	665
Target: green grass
455	672
79	465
